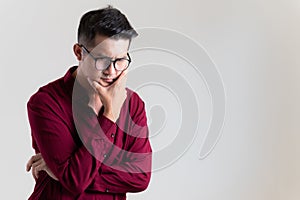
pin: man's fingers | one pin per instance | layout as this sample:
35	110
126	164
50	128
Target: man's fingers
37	167
120	81
122	78
92	84
37	164
98	87
28	166
33	174
32	160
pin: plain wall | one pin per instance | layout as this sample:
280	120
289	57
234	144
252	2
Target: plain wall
255	46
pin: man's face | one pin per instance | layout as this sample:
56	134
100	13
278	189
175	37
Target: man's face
106	47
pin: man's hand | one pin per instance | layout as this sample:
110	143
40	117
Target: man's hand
112	96
95	102
38	164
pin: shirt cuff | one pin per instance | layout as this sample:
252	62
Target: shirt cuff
108	127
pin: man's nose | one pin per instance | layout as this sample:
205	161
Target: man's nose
110	69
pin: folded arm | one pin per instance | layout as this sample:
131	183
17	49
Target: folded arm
76	168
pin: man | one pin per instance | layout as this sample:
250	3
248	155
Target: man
89	131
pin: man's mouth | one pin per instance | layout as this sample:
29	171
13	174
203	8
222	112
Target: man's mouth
108	80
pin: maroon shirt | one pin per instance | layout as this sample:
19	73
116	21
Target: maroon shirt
93	157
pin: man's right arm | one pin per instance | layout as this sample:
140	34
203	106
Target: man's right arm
74	167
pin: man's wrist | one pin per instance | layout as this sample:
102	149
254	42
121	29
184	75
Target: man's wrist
93	109
109	114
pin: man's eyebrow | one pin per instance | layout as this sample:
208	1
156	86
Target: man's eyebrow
99	55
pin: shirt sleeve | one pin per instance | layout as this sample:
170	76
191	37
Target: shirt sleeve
129	170
75	167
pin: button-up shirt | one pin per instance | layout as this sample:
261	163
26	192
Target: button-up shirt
92	156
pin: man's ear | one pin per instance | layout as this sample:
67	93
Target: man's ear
77	51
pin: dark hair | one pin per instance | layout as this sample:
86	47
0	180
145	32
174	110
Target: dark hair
107	21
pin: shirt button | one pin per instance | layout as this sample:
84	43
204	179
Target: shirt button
104	155
112	135
106	190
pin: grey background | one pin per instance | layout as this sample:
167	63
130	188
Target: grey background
255	45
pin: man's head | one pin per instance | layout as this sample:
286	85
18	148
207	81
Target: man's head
103	33
108	22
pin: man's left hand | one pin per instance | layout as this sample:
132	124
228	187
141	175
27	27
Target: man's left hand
36	163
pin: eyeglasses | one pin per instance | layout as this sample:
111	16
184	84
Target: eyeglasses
103	62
